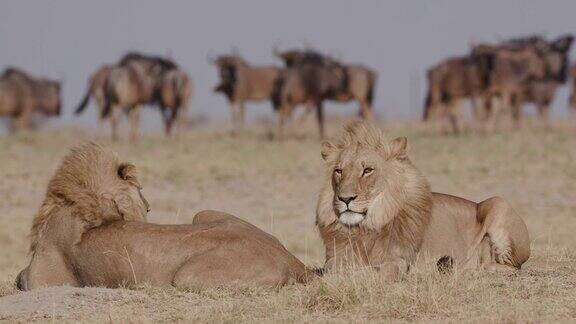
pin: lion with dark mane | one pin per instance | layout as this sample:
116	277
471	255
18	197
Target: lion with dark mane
91	231
376	209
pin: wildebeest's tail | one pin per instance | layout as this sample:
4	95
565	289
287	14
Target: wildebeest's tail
372	78
110	97
276	97
427	105
432	96
84	101
177	89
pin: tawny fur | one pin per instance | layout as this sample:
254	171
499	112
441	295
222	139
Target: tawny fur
404	222
88	182
91	231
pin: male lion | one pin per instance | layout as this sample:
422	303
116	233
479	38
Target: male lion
90	231
377	209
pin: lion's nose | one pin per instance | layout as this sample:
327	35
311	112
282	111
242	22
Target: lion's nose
347	199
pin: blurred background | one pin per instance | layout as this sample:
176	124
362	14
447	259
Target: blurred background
69	39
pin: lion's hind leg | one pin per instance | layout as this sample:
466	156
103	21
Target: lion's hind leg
506	231
212	216
229	265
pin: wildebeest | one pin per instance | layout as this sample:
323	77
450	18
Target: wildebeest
311	77
449	83
137	80
358	80
508	71
309	81
526	70
21	95
132	83
242	82
174	91
502	77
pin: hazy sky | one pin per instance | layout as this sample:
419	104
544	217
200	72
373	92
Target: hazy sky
400	39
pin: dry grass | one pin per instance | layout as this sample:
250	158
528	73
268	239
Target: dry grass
275	185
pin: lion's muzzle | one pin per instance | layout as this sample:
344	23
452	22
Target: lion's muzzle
351	218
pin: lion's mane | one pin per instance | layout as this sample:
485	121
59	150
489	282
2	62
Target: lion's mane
399	216
94	185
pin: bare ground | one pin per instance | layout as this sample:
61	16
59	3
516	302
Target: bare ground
275	186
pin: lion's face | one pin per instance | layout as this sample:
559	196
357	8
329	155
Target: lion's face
354	182
367	184
360	177
131	202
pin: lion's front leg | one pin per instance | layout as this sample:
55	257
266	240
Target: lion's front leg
46	269
392	269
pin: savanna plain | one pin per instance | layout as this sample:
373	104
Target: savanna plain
275	186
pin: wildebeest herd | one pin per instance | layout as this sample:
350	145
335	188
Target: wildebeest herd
497	78
308	79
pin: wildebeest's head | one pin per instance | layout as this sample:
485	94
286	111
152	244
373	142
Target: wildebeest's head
228	69
555	55
483	57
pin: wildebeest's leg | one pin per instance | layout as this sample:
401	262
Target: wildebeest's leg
283	116
241	114
436	116
114	120
509	239
235	107
320	118
516	109
23	121
168	119
134	115
308	109
365	109
492	113
479	106
544	112
454	115
181	114
516	116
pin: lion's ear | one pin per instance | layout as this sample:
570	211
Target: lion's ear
127	171
399	148
327	150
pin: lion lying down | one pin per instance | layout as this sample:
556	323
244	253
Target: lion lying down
91	231
377	209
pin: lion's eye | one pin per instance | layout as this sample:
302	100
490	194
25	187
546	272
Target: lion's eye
338	171
367	171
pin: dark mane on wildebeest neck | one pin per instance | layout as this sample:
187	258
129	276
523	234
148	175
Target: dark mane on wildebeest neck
136	56
14	71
